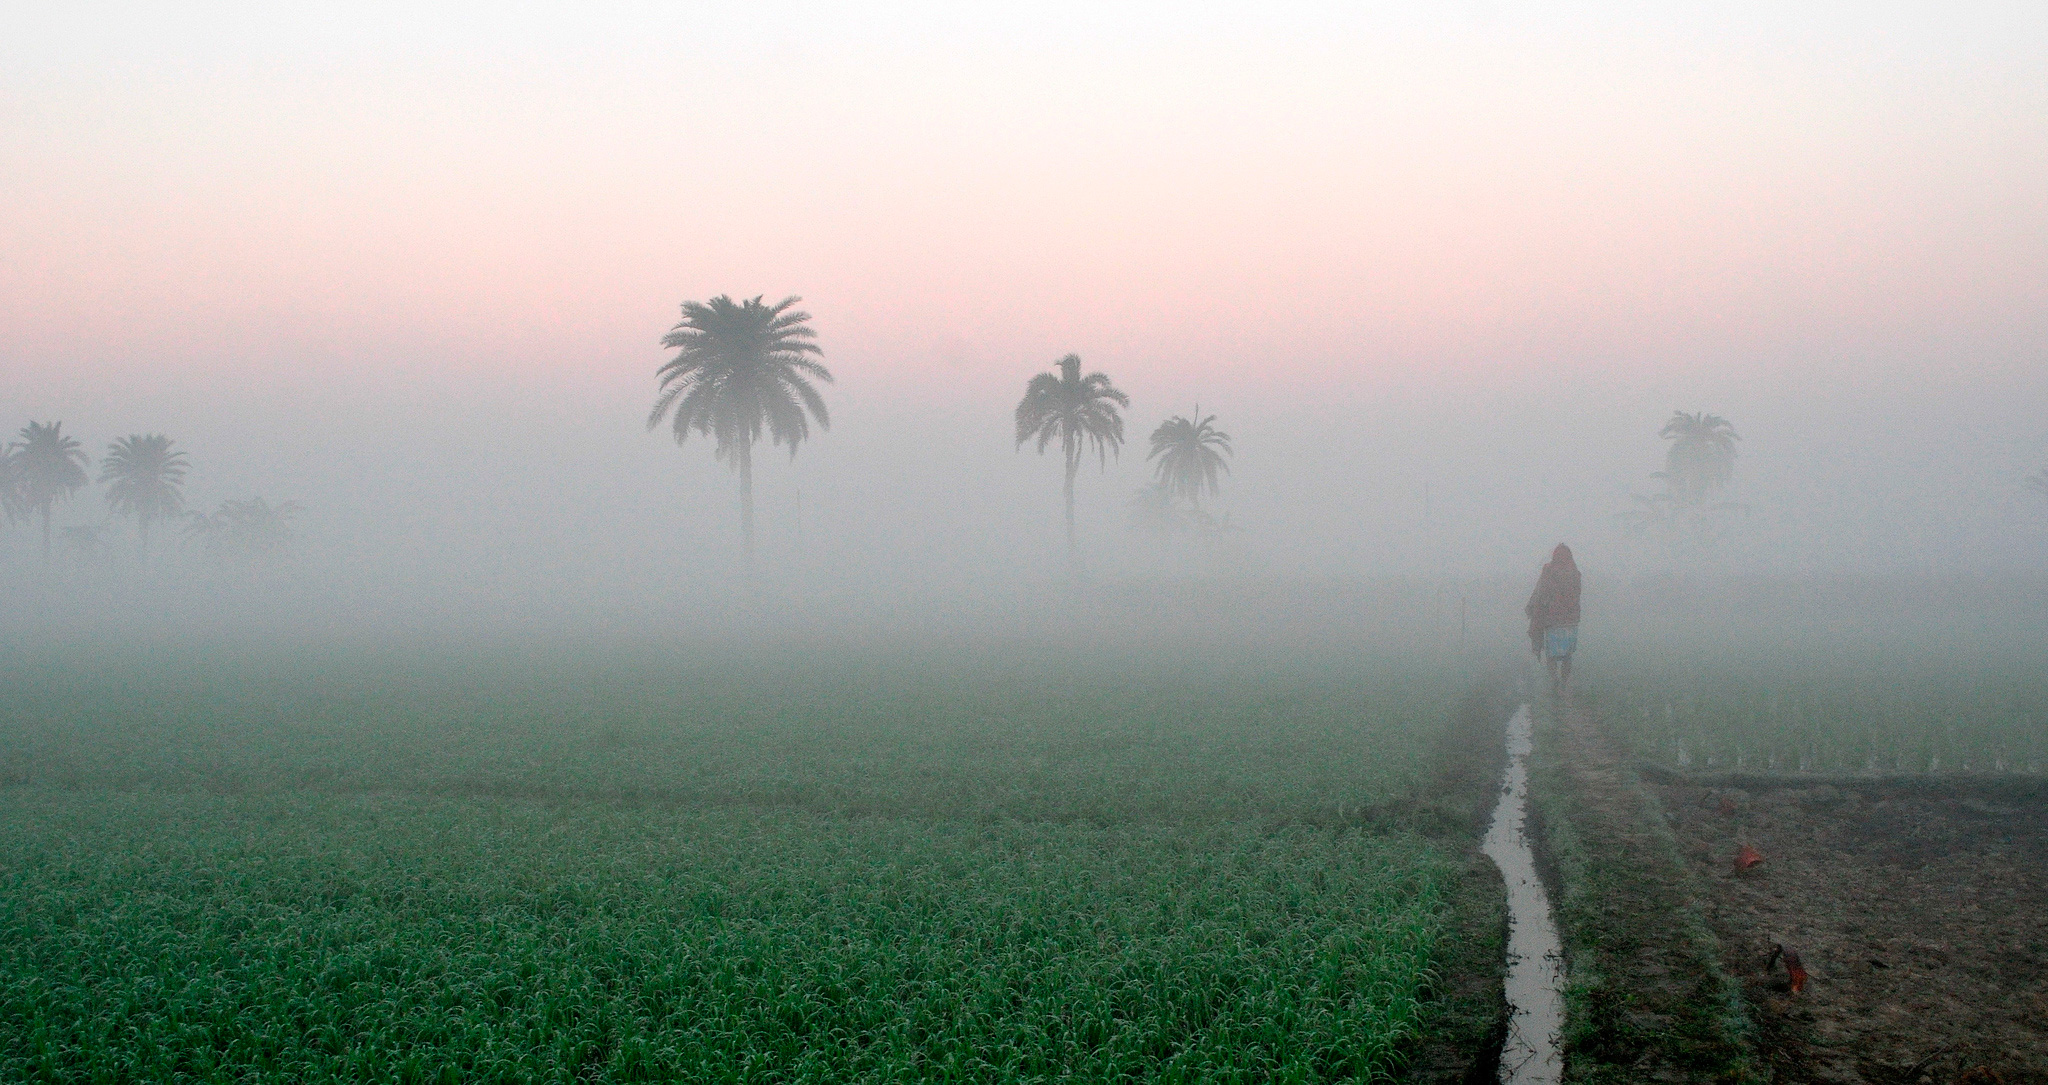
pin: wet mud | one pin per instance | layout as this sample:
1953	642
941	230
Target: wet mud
1917	910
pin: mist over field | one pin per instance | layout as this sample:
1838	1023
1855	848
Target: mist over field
429	504
1091	627
1442	285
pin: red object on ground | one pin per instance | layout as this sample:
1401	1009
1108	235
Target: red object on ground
1746	857
1795	969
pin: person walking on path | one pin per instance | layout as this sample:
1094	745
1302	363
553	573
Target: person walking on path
1553	612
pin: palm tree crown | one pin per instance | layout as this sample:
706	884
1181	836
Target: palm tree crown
1078	412
48	467
1191	452
146	480
742	368
1701	458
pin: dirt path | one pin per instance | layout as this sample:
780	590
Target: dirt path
1919	910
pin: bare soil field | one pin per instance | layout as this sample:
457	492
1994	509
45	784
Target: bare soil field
1918	908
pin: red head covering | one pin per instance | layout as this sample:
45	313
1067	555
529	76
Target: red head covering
1556	599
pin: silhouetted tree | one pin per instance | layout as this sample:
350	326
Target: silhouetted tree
1190	455
50	467
1701	458
1077	412
742	368
248	530
13	488
145	479
1700	461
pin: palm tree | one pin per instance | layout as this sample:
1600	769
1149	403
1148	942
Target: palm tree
146	480
743	367
13	497
1077	411
1190	453
49	466
1701	458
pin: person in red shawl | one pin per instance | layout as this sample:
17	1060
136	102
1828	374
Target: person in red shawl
1553	612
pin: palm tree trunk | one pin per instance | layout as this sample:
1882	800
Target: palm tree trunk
747	498
142	534
46	534
1073	468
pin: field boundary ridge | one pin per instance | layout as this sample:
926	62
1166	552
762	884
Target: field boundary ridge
1646	995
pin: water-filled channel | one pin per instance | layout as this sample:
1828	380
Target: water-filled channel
1535	979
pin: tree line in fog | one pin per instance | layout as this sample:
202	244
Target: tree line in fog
748	369
144	475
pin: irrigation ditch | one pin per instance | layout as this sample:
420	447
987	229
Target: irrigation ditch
1534	986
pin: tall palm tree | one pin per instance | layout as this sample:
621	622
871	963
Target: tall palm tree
50	467
146	480
1701	458
1076	411
742	368
1190	453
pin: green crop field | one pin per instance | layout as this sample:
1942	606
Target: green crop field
715	865
1936	696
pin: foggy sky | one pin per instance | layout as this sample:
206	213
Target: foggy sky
1441	278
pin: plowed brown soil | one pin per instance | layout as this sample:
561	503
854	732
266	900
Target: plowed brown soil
1919	908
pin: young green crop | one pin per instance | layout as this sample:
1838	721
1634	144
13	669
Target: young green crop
1063	738
162	937
708	865
1834	717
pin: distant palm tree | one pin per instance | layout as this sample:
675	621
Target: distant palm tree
13	495
1190	453
1076	411
1701	458
252	529
146	480
743	368
50	467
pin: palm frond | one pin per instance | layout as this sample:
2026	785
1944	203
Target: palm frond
1192	455
741	369
145	477
48	466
